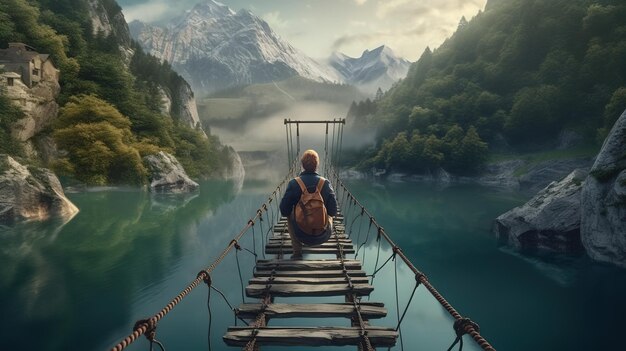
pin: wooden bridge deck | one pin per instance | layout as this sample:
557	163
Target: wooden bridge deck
283	277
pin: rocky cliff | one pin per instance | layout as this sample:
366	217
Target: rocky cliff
549	221
574	213
110	20
603	225
40	109
30	193
184	108
235	170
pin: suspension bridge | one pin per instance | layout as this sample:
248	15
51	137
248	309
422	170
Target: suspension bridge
342	275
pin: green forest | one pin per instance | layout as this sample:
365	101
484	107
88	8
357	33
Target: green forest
517	74
110	107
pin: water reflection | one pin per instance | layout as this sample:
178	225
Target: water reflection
127	253
70	282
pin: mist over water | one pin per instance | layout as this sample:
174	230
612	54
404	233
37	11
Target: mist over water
268	134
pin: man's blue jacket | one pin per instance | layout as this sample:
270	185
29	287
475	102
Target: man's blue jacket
310	179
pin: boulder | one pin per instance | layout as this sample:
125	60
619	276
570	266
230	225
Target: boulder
549	221
30	193
603	203
167	175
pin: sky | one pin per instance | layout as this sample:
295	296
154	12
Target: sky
320	27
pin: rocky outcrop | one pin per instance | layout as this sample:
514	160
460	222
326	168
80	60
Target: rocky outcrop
544	173
185	107
38	104
550	220
110	20
603	225
30	193
188	109
234	170
167	175
40	110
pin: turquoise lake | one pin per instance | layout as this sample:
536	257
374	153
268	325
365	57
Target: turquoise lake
82	285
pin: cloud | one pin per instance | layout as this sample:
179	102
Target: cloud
148	12
362	39
274	20
358	23
360	2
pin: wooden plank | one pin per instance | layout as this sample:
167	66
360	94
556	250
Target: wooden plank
254	290
310	250
311	336
312	274
287	243
299	265
331	242
284	232
308	280
287	237
368	310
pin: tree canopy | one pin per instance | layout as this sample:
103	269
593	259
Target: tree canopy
520	71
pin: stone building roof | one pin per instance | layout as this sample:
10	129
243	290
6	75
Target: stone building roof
11	75
18	52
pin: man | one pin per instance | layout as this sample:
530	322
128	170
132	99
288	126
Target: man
310	180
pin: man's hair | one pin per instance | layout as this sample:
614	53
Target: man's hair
310	159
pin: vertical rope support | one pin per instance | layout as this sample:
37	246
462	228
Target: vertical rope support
332	147
298	139
326	151
288	146
341	125
293	152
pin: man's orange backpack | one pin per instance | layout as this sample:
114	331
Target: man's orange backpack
310	212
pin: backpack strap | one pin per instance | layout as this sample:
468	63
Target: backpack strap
320	184
302	186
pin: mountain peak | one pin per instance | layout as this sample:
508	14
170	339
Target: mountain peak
376	68
215	48
212	8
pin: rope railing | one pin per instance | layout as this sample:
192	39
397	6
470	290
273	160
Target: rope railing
462	325
148	326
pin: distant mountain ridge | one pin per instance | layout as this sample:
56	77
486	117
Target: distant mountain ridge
214	48
378	68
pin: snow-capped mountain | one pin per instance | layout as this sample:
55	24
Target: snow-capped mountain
214	48
379	68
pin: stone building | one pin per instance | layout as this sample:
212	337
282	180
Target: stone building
32	66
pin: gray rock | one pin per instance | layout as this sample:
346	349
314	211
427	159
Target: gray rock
167	175
352	174
235	171
603	224
501	175
549	221
568	139
30	193
543	173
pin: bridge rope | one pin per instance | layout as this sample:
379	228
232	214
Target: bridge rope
352	297
149	324
464	328
353	209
